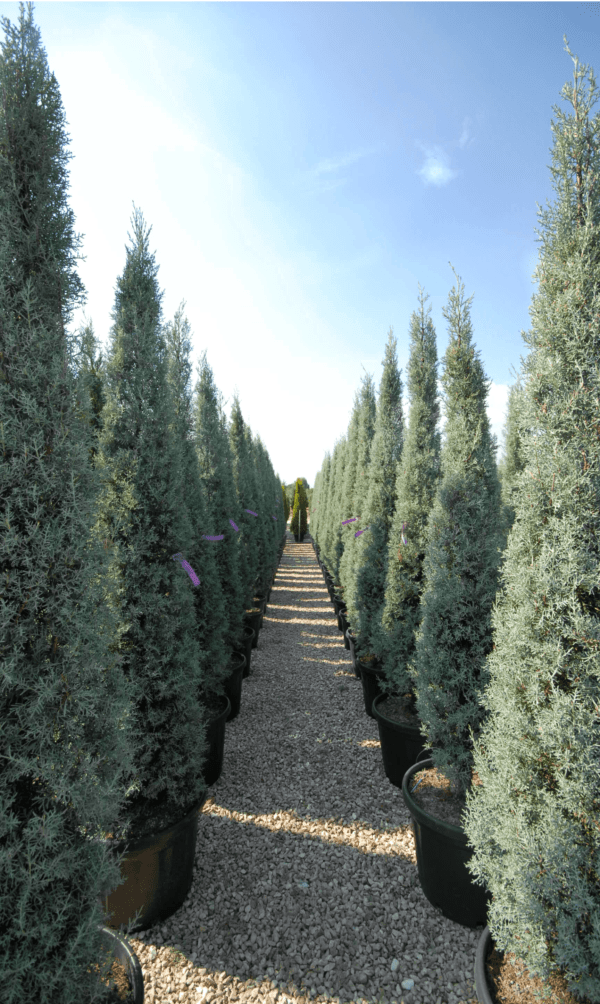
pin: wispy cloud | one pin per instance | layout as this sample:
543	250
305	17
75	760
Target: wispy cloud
324	171
435	170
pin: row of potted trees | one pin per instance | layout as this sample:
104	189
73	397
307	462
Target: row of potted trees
473	604
139	525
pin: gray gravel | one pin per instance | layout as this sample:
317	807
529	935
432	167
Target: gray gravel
305	883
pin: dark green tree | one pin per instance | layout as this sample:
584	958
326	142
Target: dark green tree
91	378
209	598
143	512
65	740
465	541
215	460
533	822
417	473
365	601
299	524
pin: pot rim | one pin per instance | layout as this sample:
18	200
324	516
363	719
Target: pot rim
421	816
127	957
132	845
402	726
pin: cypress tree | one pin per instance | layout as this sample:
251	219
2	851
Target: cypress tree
91	384
465	540
320	500
335	509
65	738
215	460
246	496
417	471
514	459
209	598
356	485
144	513
533	822
365	605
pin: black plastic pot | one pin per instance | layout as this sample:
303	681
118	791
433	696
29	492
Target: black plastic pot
343	626
233	683
298	538
485	945
261	603
340	611
118	947
245	646
352	646
157	871
401	744
252	619
371	673
442	855
218	713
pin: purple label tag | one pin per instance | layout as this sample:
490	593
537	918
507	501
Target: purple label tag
353	520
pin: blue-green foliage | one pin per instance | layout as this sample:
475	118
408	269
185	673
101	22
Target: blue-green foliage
533	822
65	744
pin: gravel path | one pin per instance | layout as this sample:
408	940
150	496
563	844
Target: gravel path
305	882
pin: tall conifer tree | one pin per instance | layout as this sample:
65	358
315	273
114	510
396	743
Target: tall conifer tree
65	739
465	540
208	595
245	487
215	460
365	603
356	486
335	508
533	822
144	514
417	473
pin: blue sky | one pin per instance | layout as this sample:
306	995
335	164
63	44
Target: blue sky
304	166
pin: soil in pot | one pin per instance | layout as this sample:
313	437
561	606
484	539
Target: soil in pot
118	978
508	981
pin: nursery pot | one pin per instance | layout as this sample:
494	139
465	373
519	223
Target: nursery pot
157	870
401	743
233	683
485	945
371	672
442	855
126	969
261	603
344	627
245	646
352	646
251	619
219	710
298	537
341	618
